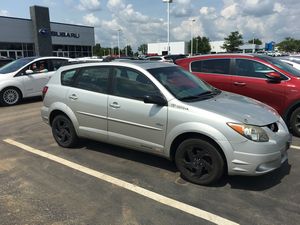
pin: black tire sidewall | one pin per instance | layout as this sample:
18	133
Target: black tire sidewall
293	121
217	161
73	140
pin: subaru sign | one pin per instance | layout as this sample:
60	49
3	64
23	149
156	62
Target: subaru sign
47	32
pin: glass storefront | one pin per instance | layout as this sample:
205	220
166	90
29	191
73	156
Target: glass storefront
16	50
20	50
72	51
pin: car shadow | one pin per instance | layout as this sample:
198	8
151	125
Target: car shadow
253	183
256	183
128	154
26	101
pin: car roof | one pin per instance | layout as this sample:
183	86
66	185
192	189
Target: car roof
224	55
144	64
48	57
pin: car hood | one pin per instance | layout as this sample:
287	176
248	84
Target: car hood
240	108
5	76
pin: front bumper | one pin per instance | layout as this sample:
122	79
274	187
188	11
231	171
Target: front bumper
261	158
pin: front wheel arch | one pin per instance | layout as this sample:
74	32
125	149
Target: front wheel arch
289	113
182	137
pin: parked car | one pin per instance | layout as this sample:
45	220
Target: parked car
274	53
5	60
261	77
162	109
26	77
160	59
292	60
292	63
174	57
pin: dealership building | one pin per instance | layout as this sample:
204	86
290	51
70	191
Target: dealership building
40	37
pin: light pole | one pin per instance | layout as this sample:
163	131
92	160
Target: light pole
192	20
253	43
168	13
119	42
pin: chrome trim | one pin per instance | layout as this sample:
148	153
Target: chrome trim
134	124
92	115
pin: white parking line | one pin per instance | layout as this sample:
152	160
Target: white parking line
131	187
295	147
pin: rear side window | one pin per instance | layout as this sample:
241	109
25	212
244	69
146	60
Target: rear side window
93	79
217	66
68	77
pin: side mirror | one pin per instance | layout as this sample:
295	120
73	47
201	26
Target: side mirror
274	76
28	72
155	99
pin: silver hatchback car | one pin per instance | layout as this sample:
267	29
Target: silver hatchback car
162	109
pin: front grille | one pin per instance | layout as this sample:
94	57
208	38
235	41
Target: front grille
273	127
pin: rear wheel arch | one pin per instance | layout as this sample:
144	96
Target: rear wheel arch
63	131
55	113
192	135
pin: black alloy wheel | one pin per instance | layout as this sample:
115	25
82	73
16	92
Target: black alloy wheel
10	96
63	131
199	161
295	122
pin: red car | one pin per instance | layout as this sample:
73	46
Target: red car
261	77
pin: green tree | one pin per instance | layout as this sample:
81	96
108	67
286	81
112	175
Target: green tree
116	51
105	51
256	41
128	50
97	50
200	45
233	42
289	45
143	48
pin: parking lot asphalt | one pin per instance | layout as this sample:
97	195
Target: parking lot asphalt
38	190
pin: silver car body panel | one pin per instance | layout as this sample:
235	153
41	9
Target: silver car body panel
152	128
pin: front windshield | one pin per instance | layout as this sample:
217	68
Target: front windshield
15	65
283	65
182	84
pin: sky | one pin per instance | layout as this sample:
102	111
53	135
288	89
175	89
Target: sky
145	21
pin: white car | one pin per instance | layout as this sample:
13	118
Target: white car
292	60
159	59
26	77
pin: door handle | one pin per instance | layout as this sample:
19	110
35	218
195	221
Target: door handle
114	105
239	84
73	97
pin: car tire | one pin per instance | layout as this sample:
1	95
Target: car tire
63	131
10	96
199	161
295	122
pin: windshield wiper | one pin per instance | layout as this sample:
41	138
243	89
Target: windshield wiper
200	95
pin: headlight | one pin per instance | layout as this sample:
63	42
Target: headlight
253	133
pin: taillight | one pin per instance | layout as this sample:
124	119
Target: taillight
45	89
